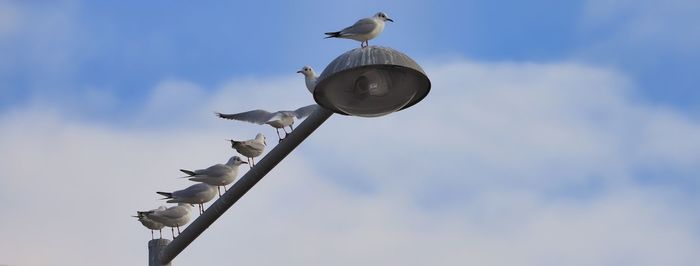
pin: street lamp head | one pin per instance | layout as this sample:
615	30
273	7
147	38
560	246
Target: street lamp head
371	81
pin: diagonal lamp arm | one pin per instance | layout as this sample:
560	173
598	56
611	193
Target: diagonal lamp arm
246	182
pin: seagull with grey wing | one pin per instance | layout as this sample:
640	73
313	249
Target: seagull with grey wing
310	77
151	224
279	119
217	175
250	148
175	216
363	30
194	194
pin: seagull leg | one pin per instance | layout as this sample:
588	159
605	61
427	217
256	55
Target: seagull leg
178	230
291	127
173	231
278	133
218	188
285	132
152	235
225	189
160	232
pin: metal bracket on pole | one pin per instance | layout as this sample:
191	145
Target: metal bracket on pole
246	182
155	246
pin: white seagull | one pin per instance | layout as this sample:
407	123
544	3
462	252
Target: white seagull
250	148
363	30
310	77
175	216
151	224
194	194
279	119
217	175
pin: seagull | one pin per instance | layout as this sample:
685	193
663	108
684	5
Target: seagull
194	194
175	216
279	119
363	30
217	175
151	224
310	77
250	148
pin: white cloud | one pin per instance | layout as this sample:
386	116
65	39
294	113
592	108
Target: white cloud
172	101
465	177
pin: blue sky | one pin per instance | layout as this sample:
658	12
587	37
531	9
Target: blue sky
556	132
123	48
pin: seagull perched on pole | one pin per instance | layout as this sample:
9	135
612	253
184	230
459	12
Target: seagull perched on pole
310	77
279	119
250	148
151	224
217	175
194	194
363	30
175	216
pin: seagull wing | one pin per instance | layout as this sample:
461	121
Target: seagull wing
172	212
256	116
305	111
216	170
362	26
254	145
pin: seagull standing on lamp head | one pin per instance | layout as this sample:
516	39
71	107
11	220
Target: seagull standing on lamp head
363	30
310	77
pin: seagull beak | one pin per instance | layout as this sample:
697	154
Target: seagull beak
388	19
244	162
300	71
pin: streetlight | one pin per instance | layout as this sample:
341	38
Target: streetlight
370	81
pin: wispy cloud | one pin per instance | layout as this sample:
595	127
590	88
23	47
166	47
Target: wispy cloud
534	164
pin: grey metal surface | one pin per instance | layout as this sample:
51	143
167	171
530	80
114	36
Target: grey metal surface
155	246
246	182
365	58
371	55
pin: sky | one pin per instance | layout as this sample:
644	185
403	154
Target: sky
555	132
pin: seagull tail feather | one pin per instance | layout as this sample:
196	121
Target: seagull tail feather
221	115
188	172
167	195
334	34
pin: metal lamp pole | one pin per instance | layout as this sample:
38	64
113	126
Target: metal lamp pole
163	255
368	82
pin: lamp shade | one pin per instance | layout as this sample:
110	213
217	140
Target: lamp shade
371	81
